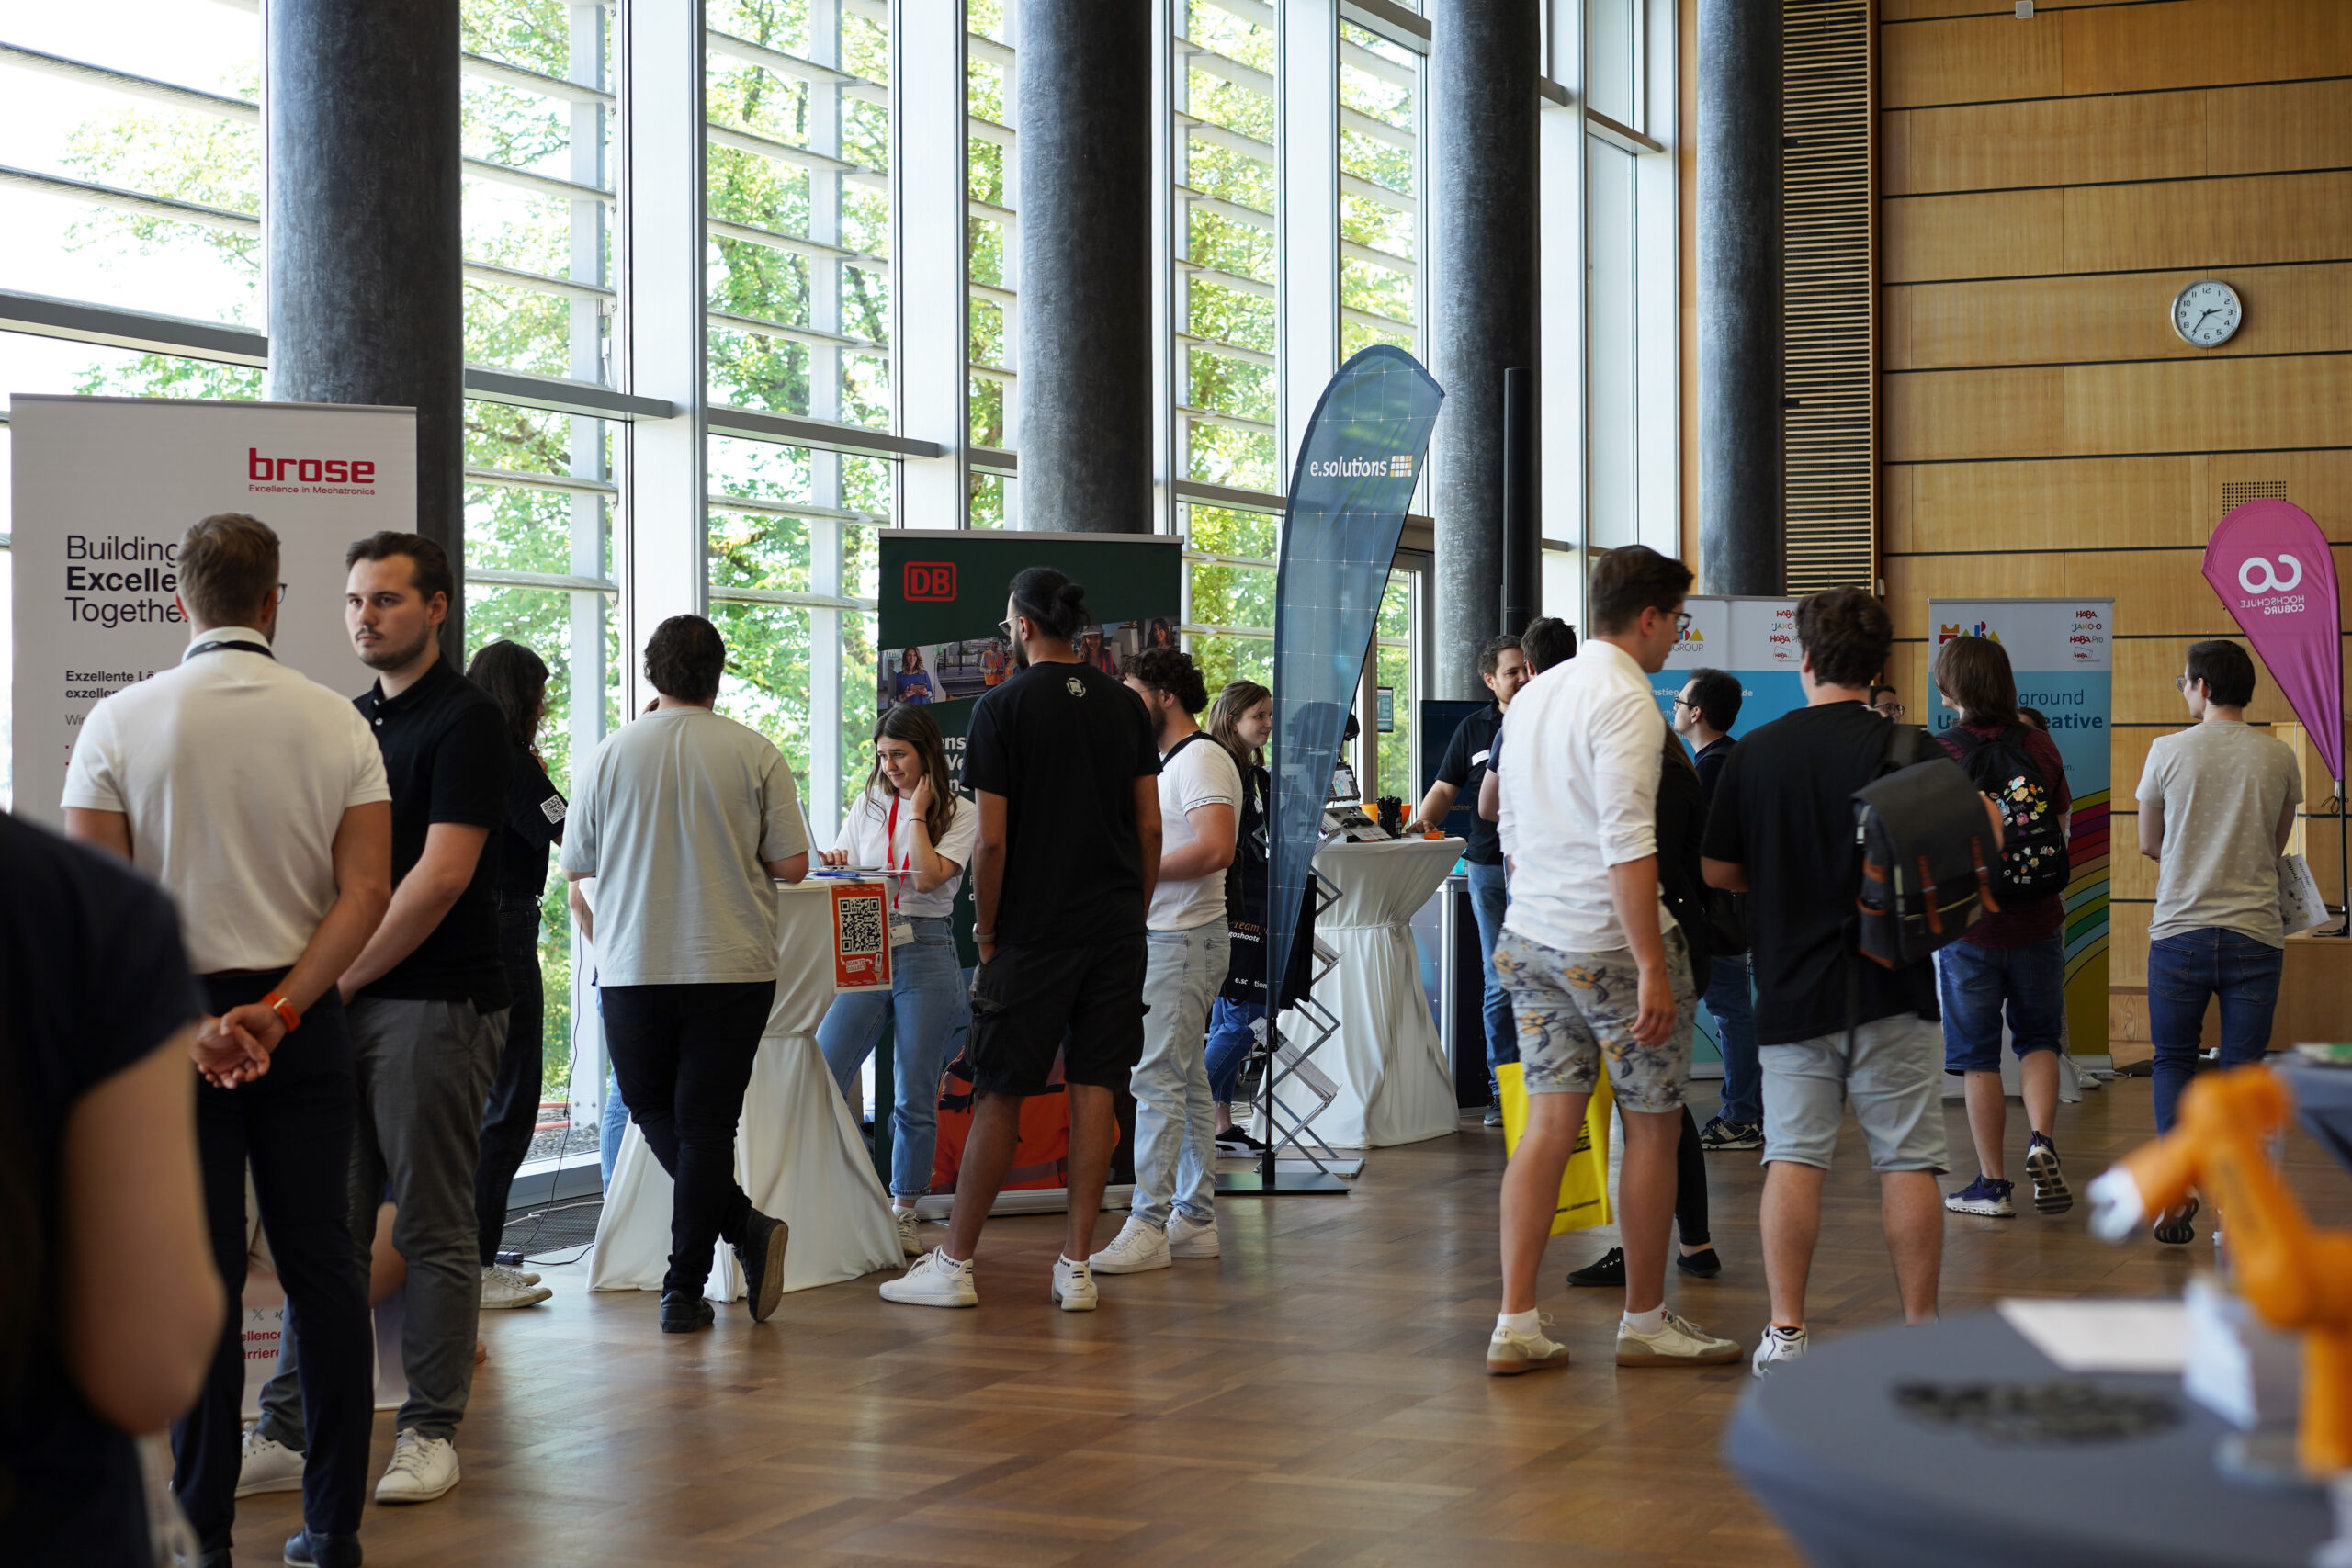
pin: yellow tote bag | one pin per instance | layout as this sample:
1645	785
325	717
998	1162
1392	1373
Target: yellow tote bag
1584	1186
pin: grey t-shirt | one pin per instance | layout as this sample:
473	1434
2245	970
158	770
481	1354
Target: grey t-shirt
2223	787
677	818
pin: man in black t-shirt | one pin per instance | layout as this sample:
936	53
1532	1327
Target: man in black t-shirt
1503	667
1829	1026
1064	763
1704	711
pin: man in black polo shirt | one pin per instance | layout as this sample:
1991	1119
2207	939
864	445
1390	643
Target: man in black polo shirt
426	997
1464	767
1064	763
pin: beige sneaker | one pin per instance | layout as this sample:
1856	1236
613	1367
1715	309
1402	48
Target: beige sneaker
1509	1354
1677	1342
910	1242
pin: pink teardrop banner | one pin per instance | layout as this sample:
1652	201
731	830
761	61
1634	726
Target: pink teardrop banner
2271	566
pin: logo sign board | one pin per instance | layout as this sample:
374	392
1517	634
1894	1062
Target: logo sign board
2271	566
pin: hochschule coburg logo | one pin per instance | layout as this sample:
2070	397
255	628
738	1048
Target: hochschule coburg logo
2271	580
1397	466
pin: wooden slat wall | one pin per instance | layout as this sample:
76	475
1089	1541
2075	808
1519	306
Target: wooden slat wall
2045	188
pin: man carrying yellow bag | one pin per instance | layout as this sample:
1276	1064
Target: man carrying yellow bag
1594	968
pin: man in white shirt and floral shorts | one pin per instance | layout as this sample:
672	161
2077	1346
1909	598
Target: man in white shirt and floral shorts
1594	968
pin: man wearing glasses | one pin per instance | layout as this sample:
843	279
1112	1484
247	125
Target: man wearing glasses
1886	704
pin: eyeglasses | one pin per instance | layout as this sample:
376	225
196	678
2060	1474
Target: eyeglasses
1681	622
1004	630
1897	711
281	593
1684	703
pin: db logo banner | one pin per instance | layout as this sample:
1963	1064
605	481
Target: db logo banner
932	579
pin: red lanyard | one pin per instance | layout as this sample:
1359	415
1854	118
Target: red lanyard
889	847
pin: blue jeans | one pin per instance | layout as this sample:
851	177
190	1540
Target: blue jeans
1490	899
608	1138
1733	1005
1175	1117
1230	1035
1973	982
928	1005
2185	970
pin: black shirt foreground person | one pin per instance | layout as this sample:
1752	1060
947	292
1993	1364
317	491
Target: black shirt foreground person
1064	765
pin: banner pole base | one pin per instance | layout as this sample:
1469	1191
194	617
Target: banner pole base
1256	1184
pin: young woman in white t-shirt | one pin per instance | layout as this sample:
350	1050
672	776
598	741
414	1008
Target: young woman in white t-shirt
910	819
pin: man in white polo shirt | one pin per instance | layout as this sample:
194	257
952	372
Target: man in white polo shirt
256	797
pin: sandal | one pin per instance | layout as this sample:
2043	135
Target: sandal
2174	1226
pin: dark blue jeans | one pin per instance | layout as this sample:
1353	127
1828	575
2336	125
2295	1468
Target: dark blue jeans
1230	1035
2187	970
1729	998
1489	901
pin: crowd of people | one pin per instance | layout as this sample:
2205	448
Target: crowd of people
330	907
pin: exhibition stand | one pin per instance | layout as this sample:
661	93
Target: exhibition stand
1389	1065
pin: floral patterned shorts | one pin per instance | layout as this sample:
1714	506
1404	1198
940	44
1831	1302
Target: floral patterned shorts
1574	1009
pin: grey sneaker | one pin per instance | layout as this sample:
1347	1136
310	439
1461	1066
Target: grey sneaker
1676	1342
1509	1354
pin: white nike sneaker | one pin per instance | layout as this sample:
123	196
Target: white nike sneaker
1188	1237
422	1468
1509	1354
1676	1342
1138	1249
1074	1287
268	1466
504	1287
907	1225
934	1281
1776	1350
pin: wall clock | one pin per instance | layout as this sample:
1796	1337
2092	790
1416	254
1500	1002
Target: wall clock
2206	314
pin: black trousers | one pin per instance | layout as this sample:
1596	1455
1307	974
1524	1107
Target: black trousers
683	1056
1690	1184
294	1125
511	1115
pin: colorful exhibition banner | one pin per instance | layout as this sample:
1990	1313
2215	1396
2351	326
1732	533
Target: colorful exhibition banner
2276	575
2059	650
97	537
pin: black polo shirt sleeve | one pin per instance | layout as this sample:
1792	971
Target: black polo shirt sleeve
473	768
1453	768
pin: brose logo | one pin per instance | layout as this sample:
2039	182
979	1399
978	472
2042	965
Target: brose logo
2271	582
308	470
928	580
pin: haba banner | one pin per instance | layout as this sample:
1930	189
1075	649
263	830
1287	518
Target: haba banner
2060	651
2272	568
103	490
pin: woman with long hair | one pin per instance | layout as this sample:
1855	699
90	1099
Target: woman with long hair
517	680
913	682
1241	719
908	824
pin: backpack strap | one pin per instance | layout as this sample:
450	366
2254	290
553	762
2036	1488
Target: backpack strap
1904	744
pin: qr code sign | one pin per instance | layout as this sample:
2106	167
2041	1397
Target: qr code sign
861	926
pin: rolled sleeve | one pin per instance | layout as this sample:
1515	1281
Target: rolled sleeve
1627	748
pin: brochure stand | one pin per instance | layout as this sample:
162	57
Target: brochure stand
1285	1117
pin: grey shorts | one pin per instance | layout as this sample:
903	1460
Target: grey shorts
1894	1075
1575	1008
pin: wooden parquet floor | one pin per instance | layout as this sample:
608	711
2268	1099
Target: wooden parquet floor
1316	1396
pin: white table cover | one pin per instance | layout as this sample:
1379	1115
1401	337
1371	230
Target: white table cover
1388	1059
799	1153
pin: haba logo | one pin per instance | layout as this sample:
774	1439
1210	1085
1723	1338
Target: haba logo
2272	579
1946	632
296	475
928	580
1398	465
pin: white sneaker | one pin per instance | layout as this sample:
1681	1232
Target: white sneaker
934	1281
504	1287
268	1466
1188	1237
422	1468
1777	1348
1509	1354
1676	1342
1074	1287
1138	1249
520	1276
908	1226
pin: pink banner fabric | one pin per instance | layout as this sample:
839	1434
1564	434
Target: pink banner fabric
2270	564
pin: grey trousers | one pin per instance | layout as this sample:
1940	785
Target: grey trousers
423	1069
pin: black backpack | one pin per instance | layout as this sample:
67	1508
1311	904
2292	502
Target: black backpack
2034	863
1928	851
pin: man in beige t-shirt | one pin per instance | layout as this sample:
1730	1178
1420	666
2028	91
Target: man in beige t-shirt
2217	801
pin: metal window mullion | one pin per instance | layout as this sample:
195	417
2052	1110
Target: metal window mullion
1009	74
928	246
1308	215
1173	214
1657	428
825	402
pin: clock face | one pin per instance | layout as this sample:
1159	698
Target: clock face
2206	313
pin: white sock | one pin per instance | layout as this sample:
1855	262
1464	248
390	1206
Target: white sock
1523	1323
950	1264
1648	1321
903	1208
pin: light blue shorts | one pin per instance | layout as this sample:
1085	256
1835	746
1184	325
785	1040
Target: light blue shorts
1895	1075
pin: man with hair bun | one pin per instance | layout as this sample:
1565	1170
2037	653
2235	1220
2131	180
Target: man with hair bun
1175	1214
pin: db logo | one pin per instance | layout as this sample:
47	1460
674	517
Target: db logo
2270	582
929	579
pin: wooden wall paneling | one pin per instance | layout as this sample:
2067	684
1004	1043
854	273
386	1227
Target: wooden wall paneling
2201	43
2144	668
1895	489
2127	943
2052	142
2131	875
2245	220
2105	316
2001	235
2284	125
1948	414
2154	591
1894	329
2206	405
1927	10
2111	502
2319	482
1968	60
1912	581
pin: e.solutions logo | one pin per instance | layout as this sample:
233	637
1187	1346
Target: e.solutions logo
309	476
928	580
1397	466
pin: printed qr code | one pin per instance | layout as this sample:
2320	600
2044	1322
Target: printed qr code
861	926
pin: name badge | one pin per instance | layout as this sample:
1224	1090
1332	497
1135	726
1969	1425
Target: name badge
902	931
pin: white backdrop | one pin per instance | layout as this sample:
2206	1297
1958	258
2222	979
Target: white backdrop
103	490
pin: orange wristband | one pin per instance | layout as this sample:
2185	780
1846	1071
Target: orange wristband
283	1010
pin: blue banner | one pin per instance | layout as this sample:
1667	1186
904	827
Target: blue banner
1355	476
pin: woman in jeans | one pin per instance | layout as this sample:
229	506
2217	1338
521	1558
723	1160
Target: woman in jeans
1241	720
910	823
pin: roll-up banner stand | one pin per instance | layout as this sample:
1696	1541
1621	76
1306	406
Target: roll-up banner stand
2060	651
1756	640
103	490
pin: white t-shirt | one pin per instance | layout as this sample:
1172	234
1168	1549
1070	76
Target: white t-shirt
866	827
234	772
1200	773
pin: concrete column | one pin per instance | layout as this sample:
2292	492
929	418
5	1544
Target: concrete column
364	247
1084	146
1482	60
1741	531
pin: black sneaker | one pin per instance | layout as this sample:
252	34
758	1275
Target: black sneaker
1704	1264
684	1314
2051	1195
1236	1143
310	1548
761	1256
1719	1134
1609	1270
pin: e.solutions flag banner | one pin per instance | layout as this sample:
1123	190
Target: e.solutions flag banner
1357	468
2272	568
103	490
2060	651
